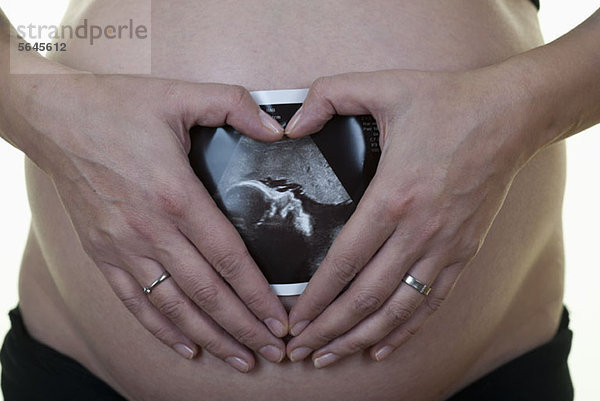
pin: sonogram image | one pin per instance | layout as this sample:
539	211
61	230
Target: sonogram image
288	199
286	202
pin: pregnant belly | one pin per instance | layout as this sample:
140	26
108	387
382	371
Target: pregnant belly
487	320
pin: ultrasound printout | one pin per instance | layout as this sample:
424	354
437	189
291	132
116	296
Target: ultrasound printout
288	199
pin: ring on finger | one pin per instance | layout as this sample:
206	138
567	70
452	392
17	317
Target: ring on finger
416	284
163	277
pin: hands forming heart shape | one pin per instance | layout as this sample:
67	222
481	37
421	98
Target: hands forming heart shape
374	209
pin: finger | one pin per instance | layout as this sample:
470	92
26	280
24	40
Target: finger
222	247
214	105
207	290
444	283
368	292
362	236
396	311
168	299
174	304
345	94
132	296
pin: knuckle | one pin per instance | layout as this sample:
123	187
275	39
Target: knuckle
317	304
357	344
344	268
322	90
393	205
366	303
172	201
465	250
205	296
212	345
162	333
434	302
133	303
140	225
237	94
464	245
105	235
398	314
321	85
413	303
173	94
255	300
230	265
432	228
245	334
172	89
172	308
323	337
411	331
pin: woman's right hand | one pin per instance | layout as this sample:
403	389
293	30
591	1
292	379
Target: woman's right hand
116	150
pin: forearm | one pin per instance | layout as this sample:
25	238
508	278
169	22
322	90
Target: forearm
25	78
562	84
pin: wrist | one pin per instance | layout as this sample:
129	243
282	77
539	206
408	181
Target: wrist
501	109
32	107
532	115
559	82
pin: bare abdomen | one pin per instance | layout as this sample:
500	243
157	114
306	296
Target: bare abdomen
488	319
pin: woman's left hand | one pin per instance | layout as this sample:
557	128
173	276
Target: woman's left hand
451	145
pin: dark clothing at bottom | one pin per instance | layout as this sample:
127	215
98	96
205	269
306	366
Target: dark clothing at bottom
541	374
32	371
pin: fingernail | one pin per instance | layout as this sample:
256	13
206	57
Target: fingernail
276	327
272	353
298	327
238	363
294	121
184	351
300	353
325	360
383	352
269	123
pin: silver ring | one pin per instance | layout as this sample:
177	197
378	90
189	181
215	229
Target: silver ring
416	284
163	277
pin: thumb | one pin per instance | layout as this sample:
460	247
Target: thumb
349	94
215	105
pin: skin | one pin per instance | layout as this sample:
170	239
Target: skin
428	213
162	232
69	261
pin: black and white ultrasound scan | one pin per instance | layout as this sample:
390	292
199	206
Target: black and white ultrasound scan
288	199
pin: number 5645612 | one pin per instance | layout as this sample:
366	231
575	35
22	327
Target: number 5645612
41	47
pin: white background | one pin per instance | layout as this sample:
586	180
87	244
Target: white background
581	213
